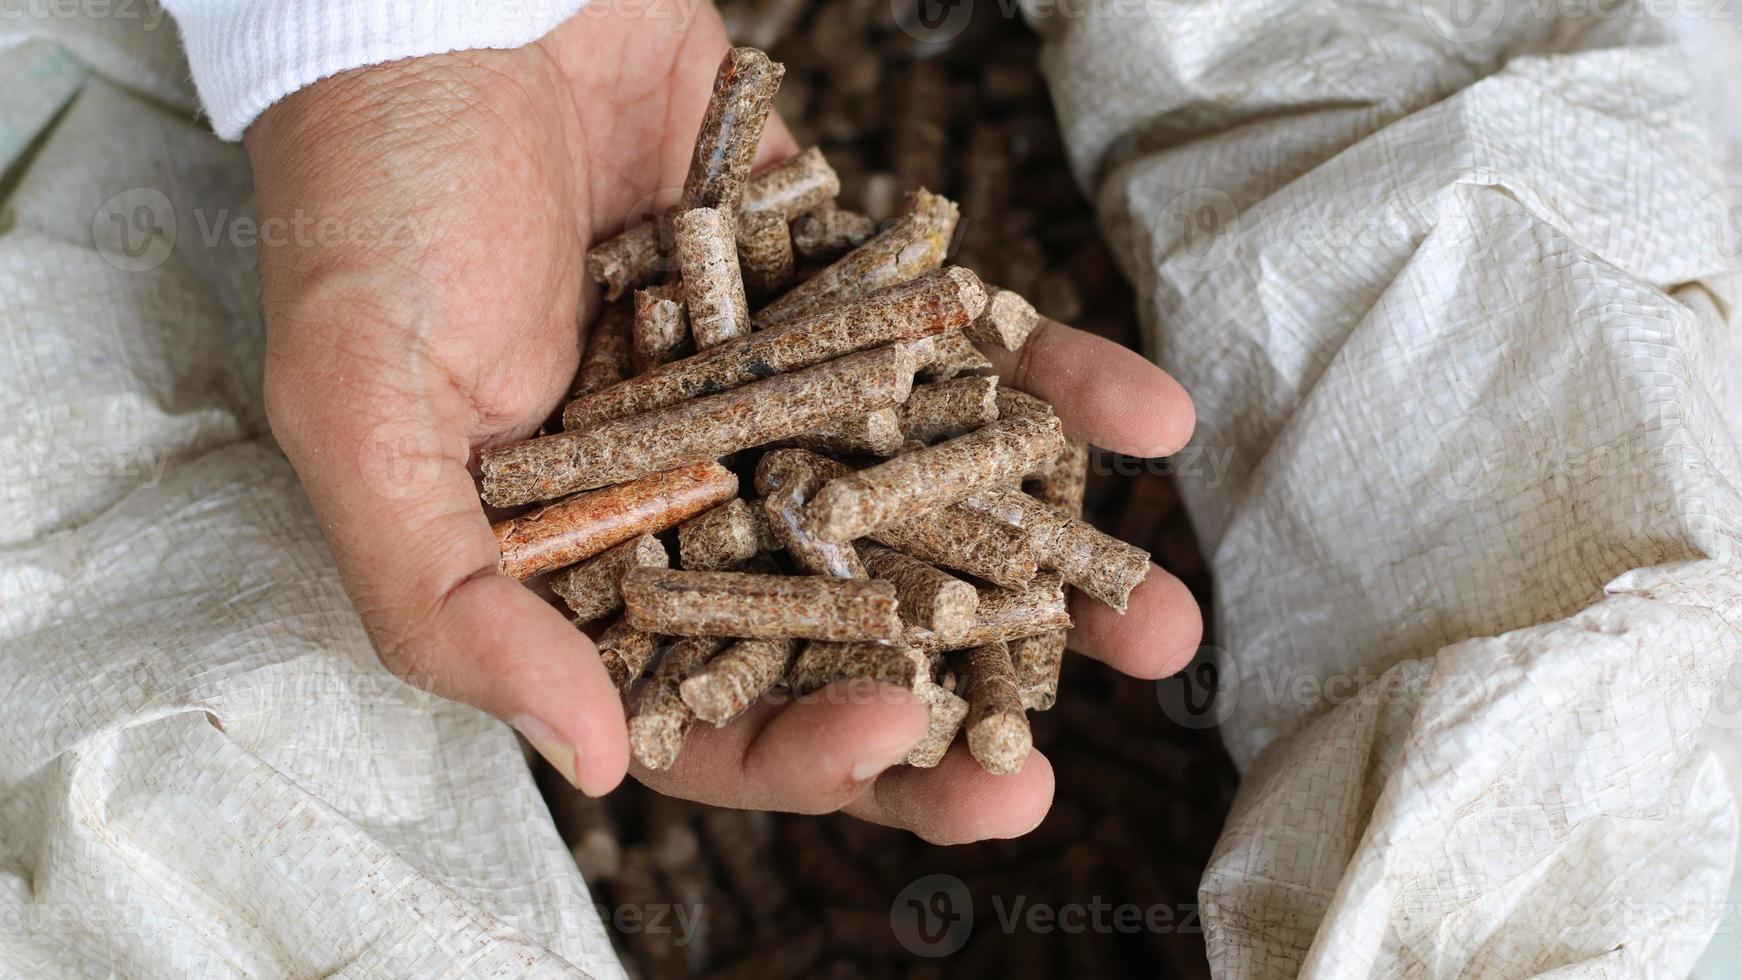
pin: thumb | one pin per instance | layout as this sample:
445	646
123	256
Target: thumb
384	464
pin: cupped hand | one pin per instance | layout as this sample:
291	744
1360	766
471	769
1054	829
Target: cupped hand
424	228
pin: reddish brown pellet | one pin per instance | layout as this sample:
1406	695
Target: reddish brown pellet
722	538
998	733
584	525
912	244
1036	661
626	651
731	127
1014	404
1065	480
946	712
608	359
935	476
955	537
1003	614
591	589
765	249
791	187
732	681
789	480
823	663
1096	563
827	232
943	300
930	598
629	260
815	607
946	409
660	719
1007	321
632	259
877	434
946	355
702	429
660	329
713	286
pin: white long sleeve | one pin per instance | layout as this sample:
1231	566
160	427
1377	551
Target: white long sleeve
248	54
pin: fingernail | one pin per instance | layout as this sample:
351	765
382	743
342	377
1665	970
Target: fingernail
555	749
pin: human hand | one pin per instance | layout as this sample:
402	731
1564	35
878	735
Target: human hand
431	306
390	361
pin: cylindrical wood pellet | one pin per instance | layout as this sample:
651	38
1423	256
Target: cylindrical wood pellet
1007	321
945	713
1003	614
608	359
912	244
929	598
935	476
998	733
946	409
707	255
724	537
946	355
1036	661
954	537
823	663
765	248
1099	564
660	719
682	603
826	232
661	326
704	428
1065	480
877	434
626	651
584	525
933	303
731	127
732	681
591	588
789	188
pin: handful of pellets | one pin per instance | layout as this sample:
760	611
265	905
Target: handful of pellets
912	522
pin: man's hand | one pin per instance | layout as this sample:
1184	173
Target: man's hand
430	303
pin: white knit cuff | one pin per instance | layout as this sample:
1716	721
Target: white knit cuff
248	54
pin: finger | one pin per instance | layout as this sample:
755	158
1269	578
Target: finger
1158	635
1106	394
808	756
958	802
382	453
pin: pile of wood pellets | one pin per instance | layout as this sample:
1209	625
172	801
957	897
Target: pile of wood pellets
1139	797
889	526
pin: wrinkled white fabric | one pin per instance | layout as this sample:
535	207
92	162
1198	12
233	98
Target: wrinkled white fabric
247	54
203	769
1454	287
